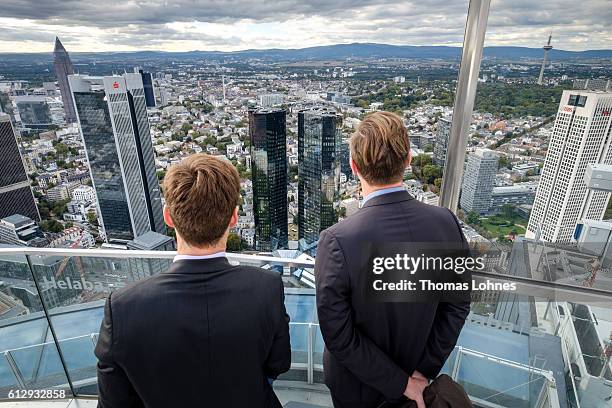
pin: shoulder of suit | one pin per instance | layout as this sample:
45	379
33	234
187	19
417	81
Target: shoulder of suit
134	287
367	214
260	273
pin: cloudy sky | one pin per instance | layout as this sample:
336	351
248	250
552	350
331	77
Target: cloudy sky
228	25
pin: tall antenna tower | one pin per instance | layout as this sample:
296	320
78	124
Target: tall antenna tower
546	48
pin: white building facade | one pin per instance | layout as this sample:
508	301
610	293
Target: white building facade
581	136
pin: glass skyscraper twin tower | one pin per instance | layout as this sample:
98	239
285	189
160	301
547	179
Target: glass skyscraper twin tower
112	113
319	141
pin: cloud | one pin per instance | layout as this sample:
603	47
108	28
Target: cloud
121	25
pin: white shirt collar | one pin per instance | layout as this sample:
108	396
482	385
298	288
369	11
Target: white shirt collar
195	257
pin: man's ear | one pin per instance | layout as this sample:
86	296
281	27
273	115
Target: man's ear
167	218
234	219
354	168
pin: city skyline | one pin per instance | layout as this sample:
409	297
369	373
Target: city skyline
240	25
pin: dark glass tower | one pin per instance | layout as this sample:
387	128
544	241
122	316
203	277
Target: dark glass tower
15	191
115	128
63	67
319	140
267	129
149	91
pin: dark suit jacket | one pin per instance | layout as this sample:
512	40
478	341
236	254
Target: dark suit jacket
372	348
203	334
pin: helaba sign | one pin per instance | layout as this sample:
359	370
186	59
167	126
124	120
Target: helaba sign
69	284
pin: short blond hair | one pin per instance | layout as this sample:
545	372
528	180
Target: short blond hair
380	148
201	193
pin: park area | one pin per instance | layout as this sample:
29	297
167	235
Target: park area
503	226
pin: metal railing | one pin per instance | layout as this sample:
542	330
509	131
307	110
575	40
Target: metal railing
527	286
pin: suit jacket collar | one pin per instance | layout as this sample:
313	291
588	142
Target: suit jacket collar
200	265
389	198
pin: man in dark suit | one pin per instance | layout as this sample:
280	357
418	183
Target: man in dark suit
377	352
205	333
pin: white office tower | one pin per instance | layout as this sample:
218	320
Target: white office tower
581	136
478	181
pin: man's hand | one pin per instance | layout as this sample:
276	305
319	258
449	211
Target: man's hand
415	387
417	374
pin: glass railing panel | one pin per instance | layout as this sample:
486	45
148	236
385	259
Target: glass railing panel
29	358
299	343
499	384
8	380
319	346
40	366
81	362
301	307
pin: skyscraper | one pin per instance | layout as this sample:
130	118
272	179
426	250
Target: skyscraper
149	90
63	67
581	136
478	181
441	143
267	130
15	192
319	139
113	120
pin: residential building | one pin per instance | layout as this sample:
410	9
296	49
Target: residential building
478	181
268	100
84	193
441	141
515	195
18	229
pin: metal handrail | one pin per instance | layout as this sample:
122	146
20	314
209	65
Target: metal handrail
125	254
527	286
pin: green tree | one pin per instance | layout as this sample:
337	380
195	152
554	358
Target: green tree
92	218
504	162
234	243
61	149
52	226
473	218
508	211
431	172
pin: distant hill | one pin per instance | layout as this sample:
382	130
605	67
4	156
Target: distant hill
327	52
